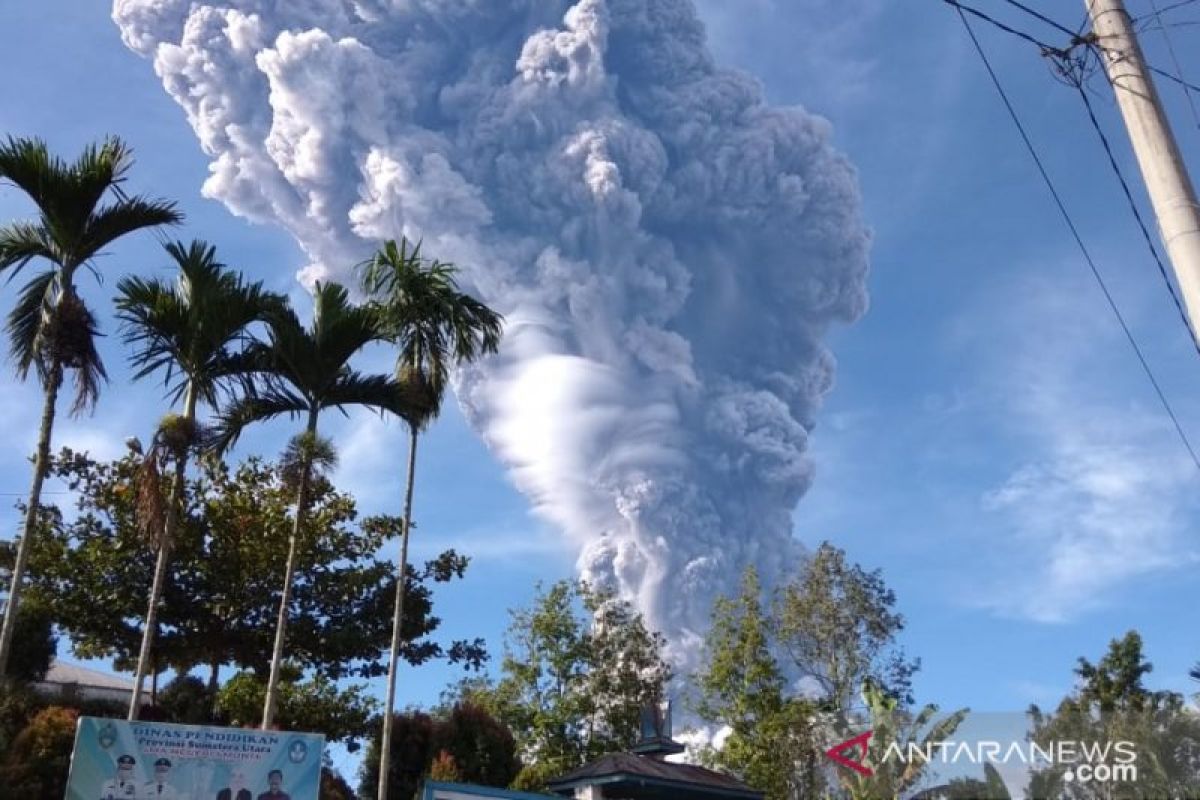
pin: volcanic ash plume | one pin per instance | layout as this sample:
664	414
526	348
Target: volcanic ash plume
668	249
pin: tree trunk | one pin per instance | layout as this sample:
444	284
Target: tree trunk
174	502
285	600
41	465
385	742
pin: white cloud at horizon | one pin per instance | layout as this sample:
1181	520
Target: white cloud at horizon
1103	493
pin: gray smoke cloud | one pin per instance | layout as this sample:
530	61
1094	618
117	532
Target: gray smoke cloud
668	248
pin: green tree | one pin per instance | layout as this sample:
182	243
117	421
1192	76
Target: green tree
226	571
343	714
435	327
990	788
579	666
186	331
187	700
334	786
771	742
82	209
463	736
890	722
301	372
1112	704
35	633
35	766
837	625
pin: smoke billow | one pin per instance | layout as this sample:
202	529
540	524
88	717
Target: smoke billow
669	249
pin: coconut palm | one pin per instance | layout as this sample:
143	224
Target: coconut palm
435	326
81	209
302	371
188	331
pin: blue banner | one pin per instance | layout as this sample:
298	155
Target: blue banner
121	760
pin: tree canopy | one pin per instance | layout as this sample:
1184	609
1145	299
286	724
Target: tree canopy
90	569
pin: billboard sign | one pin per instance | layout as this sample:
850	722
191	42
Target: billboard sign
121	760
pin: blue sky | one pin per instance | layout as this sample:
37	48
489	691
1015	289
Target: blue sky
991	442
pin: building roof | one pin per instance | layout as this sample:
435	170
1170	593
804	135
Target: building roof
68	673
685	780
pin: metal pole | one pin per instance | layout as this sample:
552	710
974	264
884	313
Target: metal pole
1167	182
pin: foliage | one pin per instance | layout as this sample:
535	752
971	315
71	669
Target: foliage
771	743
890	722
34	632
412	751
35	765
224	580
434	326
313	704
81	210
334	786
579	665
188	701
464	737
444	768
1112	704
837	625
831	630
990	788
191	331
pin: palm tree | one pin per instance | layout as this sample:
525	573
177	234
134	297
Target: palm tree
301	372
81	210
435	326
186	331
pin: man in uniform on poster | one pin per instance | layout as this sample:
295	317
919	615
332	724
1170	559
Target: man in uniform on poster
122	787
159	789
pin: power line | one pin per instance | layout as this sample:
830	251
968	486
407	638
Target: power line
1137	215
1058	201
1042	17
1175	60
1046	48
1165	9
1060	52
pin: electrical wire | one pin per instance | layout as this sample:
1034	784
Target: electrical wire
1175	60
1042	17
1165	9
961	7
1058	201
1137	215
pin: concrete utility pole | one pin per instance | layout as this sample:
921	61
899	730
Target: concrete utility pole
1166	178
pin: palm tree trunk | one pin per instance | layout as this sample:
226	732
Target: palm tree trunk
289	573
385	743
174	502
41	465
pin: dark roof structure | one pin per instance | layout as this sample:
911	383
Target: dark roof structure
633	777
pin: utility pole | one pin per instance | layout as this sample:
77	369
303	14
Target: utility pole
1166	177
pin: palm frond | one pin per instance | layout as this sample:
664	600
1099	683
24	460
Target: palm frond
22	242
340	328
28	165
127	215
377	392
258	404
28	317
306	451
421	309
186	329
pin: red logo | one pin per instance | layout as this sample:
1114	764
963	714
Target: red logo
852	752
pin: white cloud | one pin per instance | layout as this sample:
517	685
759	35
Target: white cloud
1102	494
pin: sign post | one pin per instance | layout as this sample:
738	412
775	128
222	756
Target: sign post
122	760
